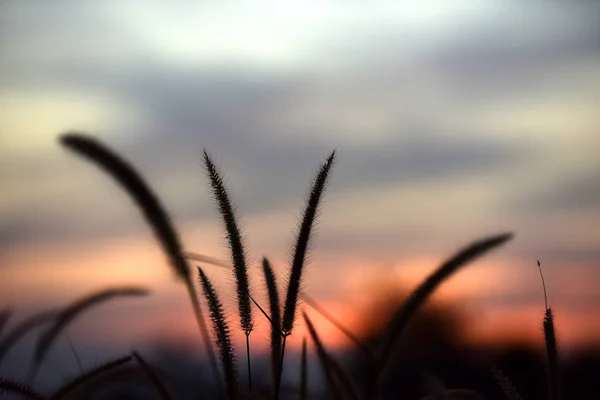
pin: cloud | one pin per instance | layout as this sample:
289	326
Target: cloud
417	111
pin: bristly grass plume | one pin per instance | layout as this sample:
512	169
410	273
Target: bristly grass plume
300	253
302	245
505	384
10	387
551	346
238	252
222	335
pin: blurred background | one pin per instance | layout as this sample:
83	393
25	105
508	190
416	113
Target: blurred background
451	122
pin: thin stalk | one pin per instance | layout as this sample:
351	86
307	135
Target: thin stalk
150	373
314	305
77	359
303	373
248	358
204	332
280	367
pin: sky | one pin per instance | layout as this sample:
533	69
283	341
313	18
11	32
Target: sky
450	123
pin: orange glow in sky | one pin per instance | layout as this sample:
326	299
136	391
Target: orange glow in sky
53	275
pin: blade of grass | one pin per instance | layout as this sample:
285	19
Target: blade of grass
156	382
69	313
5	315
223	340
24	327
87	377
420	295
324	359
75	355
348	384
334	321
130	180
207	259
154	213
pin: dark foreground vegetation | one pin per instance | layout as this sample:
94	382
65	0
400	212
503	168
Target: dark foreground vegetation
414	357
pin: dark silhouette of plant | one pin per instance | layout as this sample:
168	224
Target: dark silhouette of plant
303	373
421	293
237	249
275	320
156	382
70	312
19	389
24	327
5	315
154	213
300	252
222	335
87	377
551	346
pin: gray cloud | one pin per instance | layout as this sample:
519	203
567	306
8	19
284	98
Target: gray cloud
236	113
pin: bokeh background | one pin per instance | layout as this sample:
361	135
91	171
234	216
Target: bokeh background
451	121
